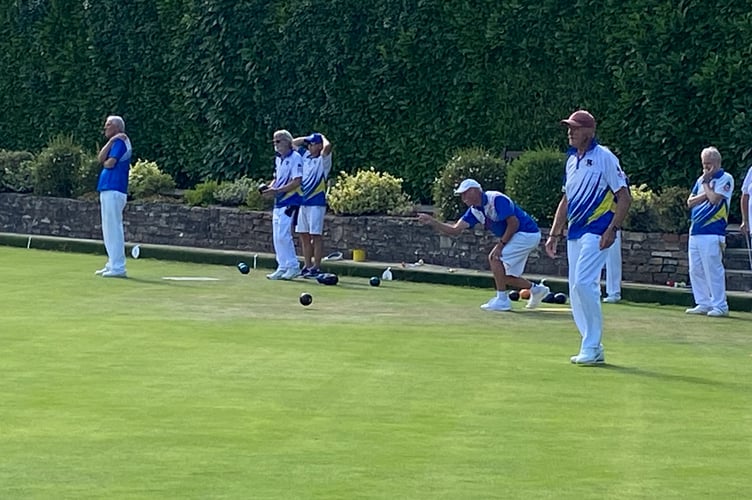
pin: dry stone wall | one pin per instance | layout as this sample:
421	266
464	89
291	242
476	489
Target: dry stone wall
648	257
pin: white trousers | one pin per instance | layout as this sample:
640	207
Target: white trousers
112	204
706	272
284	246
613	268
586	261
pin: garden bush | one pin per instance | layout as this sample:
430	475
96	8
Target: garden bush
474	163
235	193
202	194
368	192
534	183
56	170
146	179
88	176
671	210
16	172
255	201
642	216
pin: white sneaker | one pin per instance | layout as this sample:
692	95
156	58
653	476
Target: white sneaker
113	274
594	357
537	294
99	272
612	299
291	273
497	304
717	312
698	310
276	275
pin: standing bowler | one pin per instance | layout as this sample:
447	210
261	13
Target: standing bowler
115	157
595	202
285	188
709	205
317	163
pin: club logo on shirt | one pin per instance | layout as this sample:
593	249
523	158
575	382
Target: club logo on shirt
589	162
727	187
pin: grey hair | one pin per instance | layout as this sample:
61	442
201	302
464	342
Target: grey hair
284	134
712	154
117	121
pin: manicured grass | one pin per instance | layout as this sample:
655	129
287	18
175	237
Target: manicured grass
148	388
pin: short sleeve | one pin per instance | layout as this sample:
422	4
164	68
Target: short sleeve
326	163
747	183
615	176
504	207
117	150
469	217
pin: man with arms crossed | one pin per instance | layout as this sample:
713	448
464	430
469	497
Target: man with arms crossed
317	163
595	202
709	205
518	236
285	188
115	157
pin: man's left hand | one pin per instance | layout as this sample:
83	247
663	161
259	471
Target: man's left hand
608	238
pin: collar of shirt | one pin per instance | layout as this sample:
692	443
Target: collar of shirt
283	157
572	151
483	201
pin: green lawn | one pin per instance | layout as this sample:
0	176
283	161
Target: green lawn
149	388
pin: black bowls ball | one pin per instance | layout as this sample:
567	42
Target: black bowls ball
306	299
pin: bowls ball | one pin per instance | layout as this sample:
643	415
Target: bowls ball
243	268
560	298
306	299
514	295
549	299
525	293
375	281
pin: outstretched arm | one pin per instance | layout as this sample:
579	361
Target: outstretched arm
443	227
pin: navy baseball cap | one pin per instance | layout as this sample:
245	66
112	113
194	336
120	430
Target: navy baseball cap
314	138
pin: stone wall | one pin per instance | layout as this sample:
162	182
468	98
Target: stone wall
648	257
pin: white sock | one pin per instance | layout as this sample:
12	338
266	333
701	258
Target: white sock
501	294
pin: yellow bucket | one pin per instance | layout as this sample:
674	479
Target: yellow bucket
359	255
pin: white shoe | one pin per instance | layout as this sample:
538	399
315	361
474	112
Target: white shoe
113	274
698	310
537	294
497	304
594	357
99	272
717	312
276	275
612	299
291	273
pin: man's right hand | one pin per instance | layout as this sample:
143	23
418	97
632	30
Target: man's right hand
425	218
744	228
551	244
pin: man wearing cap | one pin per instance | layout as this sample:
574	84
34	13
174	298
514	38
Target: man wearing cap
285	188
595	202
317	163
709	207
518	236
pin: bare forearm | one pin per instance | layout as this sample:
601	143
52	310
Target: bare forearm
745	209
443	227
623	201
560	218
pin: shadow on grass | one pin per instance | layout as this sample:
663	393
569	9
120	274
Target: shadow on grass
631	370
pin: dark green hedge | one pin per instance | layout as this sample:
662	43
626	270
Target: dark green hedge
202	84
